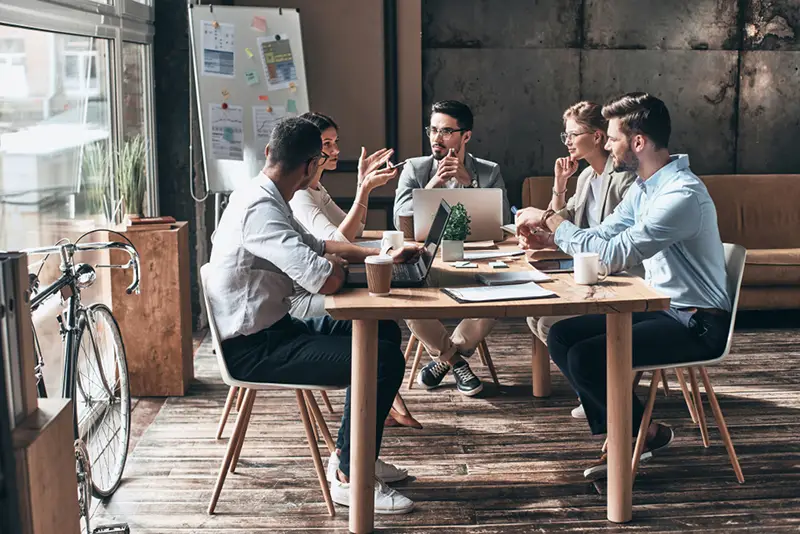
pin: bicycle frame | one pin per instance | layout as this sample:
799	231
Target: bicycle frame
67	285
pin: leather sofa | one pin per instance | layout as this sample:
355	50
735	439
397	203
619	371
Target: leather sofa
758	211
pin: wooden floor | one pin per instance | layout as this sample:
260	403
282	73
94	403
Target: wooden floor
501	463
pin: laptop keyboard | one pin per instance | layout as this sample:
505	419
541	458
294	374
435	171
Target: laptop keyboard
405	271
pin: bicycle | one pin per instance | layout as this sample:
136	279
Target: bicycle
95	372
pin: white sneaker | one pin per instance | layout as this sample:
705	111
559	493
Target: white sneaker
387	500
386	472
579	413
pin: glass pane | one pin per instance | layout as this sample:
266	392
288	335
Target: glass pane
55	118
135	153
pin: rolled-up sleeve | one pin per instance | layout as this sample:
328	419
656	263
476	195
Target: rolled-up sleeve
672	217
269	234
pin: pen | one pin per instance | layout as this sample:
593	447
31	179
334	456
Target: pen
513	210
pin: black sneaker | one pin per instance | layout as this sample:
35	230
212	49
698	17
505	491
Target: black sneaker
432	374
466	381
662	440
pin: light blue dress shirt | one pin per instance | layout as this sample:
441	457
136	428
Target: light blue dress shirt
669	224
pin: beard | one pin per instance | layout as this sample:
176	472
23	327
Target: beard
629	162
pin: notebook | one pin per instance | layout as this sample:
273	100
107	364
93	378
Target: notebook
511	277
531	290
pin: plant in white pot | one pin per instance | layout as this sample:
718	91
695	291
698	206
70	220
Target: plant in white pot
455	234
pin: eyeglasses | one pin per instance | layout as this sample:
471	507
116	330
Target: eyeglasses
446	133
567	137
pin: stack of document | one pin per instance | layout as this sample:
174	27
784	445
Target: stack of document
531	290
512	277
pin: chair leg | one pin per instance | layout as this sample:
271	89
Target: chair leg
228	405
410	347
698	404
327	401
687	396
648	413
605	445
323	427
637	378
247	411
312	445
482	355
664	382
226	462
723	428
313	420
483	350
239	400
415	365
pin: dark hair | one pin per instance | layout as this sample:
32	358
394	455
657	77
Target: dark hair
587	114
459	111
641	114
320	120
293	142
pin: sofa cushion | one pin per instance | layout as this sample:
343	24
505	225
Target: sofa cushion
538	190
757	211
772	267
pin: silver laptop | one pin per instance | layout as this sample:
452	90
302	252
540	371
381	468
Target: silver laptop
484	206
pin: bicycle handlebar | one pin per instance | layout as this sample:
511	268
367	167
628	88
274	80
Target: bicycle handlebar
68	249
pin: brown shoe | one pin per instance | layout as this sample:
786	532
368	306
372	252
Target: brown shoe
401	419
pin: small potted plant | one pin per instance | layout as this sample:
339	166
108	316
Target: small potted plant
455	234
132	175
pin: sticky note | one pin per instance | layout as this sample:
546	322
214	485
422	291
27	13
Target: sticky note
498	265
252	77
263	98
259	23
227	134
291	106
465	265
249	53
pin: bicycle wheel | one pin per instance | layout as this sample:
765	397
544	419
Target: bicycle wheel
102	397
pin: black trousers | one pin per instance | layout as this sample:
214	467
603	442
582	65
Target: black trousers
318	351
578	347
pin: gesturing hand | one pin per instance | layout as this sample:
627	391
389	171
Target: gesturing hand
369	164
450	167
379	177
564	168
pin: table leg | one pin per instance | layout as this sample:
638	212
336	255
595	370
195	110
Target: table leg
619	371
540	368
362	425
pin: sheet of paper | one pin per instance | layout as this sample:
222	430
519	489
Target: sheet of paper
218	49
491	254
264	122
510	228
227	132
530	290
259	24
251	76
278	62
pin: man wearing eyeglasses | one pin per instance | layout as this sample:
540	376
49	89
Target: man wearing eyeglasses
451	166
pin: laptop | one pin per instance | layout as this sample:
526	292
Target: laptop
409	274
484	207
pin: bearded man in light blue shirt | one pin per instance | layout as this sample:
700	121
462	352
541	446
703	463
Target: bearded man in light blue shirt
667	222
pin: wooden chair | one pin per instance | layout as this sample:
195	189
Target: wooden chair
305	404
416	346
734	266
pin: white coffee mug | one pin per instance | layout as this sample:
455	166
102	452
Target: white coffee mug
392	239
588	267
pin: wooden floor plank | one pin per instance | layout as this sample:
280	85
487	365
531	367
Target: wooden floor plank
497	464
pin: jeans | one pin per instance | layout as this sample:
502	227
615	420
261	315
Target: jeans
318	351
578	347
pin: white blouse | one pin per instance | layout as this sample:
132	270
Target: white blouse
319	214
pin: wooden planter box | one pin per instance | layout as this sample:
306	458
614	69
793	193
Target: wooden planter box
156	325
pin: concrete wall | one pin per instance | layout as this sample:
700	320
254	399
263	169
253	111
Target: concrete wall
729	70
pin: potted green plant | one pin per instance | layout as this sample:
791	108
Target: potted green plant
131	175
455	234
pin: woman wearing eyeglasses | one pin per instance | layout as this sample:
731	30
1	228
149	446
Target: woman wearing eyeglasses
315	209
600	188
318	213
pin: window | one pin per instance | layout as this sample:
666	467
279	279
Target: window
12	68
80	62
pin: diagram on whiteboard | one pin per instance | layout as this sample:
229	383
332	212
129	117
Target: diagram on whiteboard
264	122
219	44
278	62
227	131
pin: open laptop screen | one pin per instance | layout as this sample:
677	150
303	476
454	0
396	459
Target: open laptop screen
435	235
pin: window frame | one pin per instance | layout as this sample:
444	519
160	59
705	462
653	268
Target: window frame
118	21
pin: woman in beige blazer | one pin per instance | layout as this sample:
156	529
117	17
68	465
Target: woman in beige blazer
600	188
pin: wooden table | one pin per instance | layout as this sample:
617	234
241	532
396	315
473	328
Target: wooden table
617	298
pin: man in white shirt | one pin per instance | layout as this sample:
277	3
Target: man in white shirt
259	250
